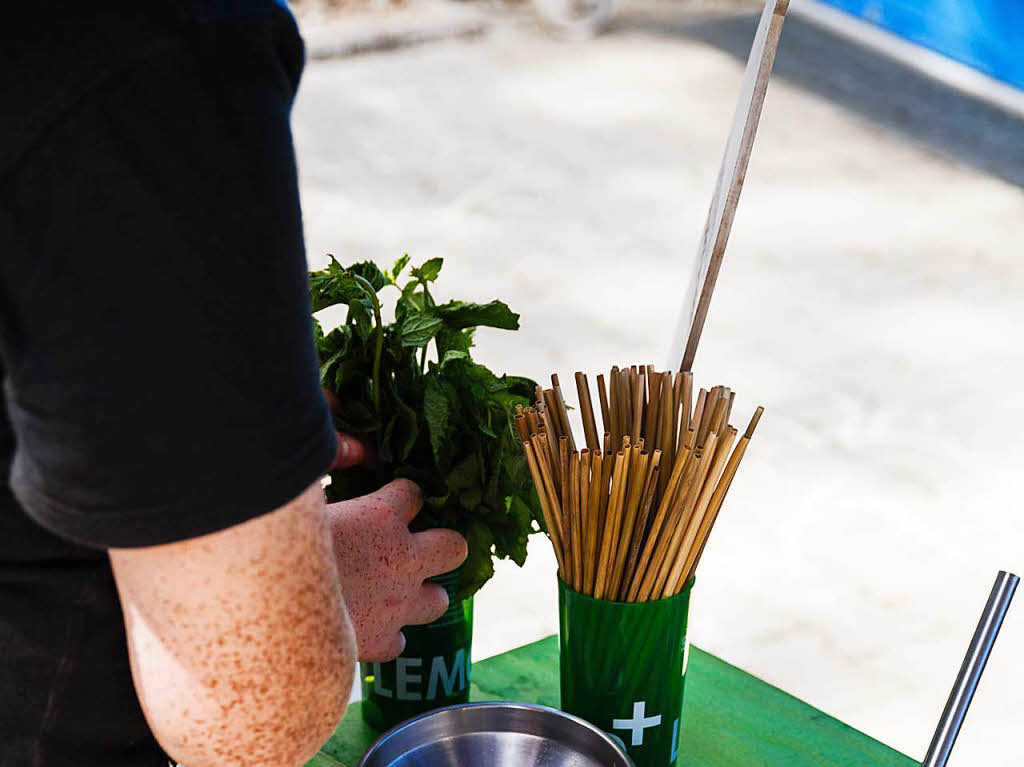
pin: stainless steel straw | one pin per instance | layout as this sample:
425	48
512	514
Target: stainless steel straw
970	672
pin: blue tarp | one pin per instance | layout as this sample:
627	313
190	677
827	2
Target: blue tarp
985	34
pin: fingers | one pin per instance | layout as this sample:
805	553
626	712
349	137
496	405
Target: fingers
333	403
351	452
439	551
427	605
404	498
384	651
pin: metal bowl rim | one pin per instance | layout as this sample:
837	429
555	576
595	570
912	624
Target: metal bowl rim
379	743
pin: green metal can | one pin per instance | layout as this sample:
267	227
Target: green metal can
432	671
623	669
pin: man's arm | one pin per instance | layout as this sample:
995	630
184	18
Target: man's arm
240	644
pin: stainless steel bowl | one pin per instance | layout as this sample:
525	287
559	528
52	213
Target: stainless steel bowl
495	735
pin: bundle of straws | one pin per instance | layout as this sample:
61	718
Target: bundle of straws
629	514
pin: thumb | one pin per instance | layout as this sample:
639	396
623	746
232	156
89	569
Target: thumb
351	452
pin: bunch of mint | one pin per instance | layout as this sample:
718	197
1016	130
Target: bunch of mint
435	416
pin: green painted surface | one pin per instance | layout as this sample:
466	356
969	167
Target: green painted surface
730	718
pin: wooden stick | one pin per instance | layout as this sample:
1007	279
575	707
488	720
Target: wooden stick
733	171
587	412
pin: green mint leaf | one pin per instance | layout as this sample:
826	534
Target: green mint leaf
370	272
460	314
398	266
429	270
452	355
466	473
419	329
435	412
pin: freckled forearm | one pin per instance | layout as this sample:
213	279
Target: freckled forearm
241	648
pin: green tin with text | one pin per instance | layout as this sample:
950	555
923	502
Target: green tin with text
623	669
432	671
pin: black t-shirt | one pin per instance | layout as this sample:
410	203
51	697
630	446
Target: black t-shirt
159	380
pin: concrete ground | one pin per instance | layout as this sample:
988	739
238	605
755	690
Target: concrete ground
870	299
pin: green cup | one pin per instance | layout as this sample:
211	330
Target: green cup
432	671
623	669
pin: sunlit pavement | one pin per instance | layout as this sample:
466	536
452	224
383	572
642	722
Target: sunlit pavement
870	299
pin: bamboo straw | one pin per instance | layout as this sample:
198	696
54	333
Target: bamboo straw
550	517
684	515
563	470
563	413
612	523
652	414
522	427
533	422
698	410
669	415
602	393
720	492
678	572
614	404
663	544
637	388
640	528
622	392
687	402
638	476
708	414
607	467
631	525
587	411
576	522
590	463
645	570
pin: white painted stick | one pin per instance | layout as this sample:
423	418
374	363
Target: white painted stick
732	173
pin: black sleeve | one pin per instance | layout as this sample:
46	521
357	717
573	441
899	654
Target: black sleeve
162	380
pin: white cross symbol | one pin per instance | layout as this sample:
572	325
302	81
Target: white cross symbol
637	724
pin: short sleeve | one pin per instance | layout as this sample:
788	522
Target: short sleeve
161	380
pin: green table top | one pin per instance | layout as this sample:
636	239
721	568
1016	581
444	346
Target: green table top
730	718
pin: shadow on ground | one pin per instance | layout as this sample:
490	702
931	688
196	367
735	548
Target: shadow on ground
957	126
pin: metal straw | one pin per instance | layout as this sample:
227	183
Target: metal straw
970	672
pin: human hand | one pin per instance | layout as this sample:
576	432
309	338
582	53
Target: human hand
351	450
382	566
